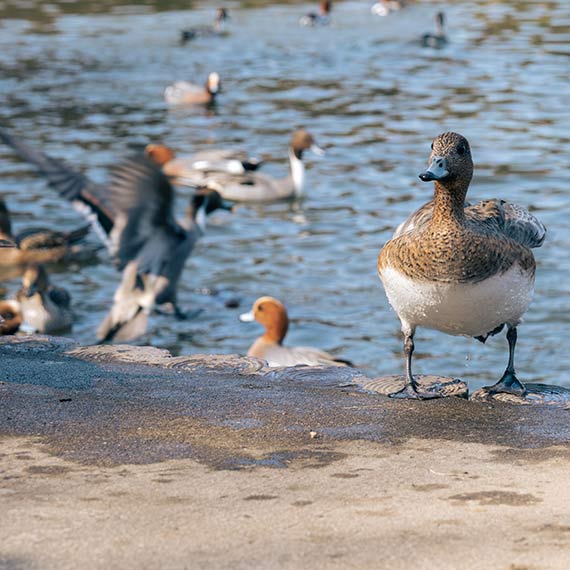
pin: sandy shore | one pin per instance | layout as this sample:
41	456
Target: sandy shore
120	458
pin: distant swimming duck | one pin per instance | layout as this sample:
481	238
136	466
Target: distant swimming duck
320	18
385	7
230	161
38	245
438	39
44	307
10	316
215	30
256	186
272	314
184	93
153	246
460	270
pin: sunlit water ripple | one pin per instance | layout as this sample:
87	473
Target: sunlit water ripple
86	87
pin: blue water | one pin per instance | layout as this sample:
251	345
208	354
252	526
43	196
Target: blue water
85	87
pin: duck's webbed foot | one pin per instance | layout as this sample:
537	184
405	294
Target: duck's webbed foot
508	384
412	391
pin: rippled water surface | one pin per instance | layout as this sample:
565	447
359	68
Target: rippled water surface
87	86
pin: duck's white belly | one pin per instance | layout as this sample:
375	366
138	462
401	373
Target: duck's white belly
470	309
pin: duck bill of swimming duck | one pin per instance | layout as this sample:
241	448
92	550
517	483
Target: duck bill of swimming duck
437	170
316	149
248	317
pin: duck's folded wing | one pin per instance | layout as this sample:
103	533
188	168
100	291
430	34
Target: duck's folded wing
143	195
522	226
87	197
44	238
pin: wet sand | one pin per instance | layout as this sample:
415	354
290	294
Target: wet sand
129	458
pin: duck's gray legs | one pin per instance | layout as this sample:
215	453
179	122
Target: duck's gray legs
509	382
412	389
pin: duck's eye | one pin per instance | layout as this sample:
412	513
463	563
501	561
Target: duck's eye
461	150
260	308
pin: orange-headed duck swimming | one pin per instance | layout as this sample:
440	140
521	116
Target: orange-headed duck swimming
44	307
38	245
438	39
256	186
215	30
320	18
10	316
460	269
184	93
272	314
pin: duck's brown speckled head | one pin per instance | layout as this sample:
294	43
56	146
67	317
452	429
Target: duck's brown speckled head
450	162
272	314
303	140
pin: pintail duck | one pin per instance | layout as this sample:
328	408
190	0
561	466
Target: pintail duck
44	307
152	246
10	316
320	18
229	161
215	30
259	187
272	314
184	93
463	270
37	245
438	39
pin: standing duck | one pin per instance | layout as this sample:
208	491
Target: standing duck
460	269
215	30
44	307
256	186
320	18
37	245
272	314
184	93
438	39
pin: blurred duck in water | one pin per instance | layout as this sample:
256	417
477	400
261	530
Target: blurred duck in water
217	29
133	215
153	246
184	93
44	307
38	245
320	18
256	186
272	314
438	39
10	316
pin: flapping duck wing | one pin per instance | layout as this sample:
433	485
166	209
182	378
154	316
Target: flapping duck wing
88	198
142	195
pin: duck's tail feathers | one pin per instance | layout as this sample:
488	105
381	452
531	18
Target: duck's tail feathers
344	361
79	234
127	329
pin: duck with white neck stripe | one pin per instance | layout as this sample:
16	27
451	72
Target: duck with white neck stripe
256	186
